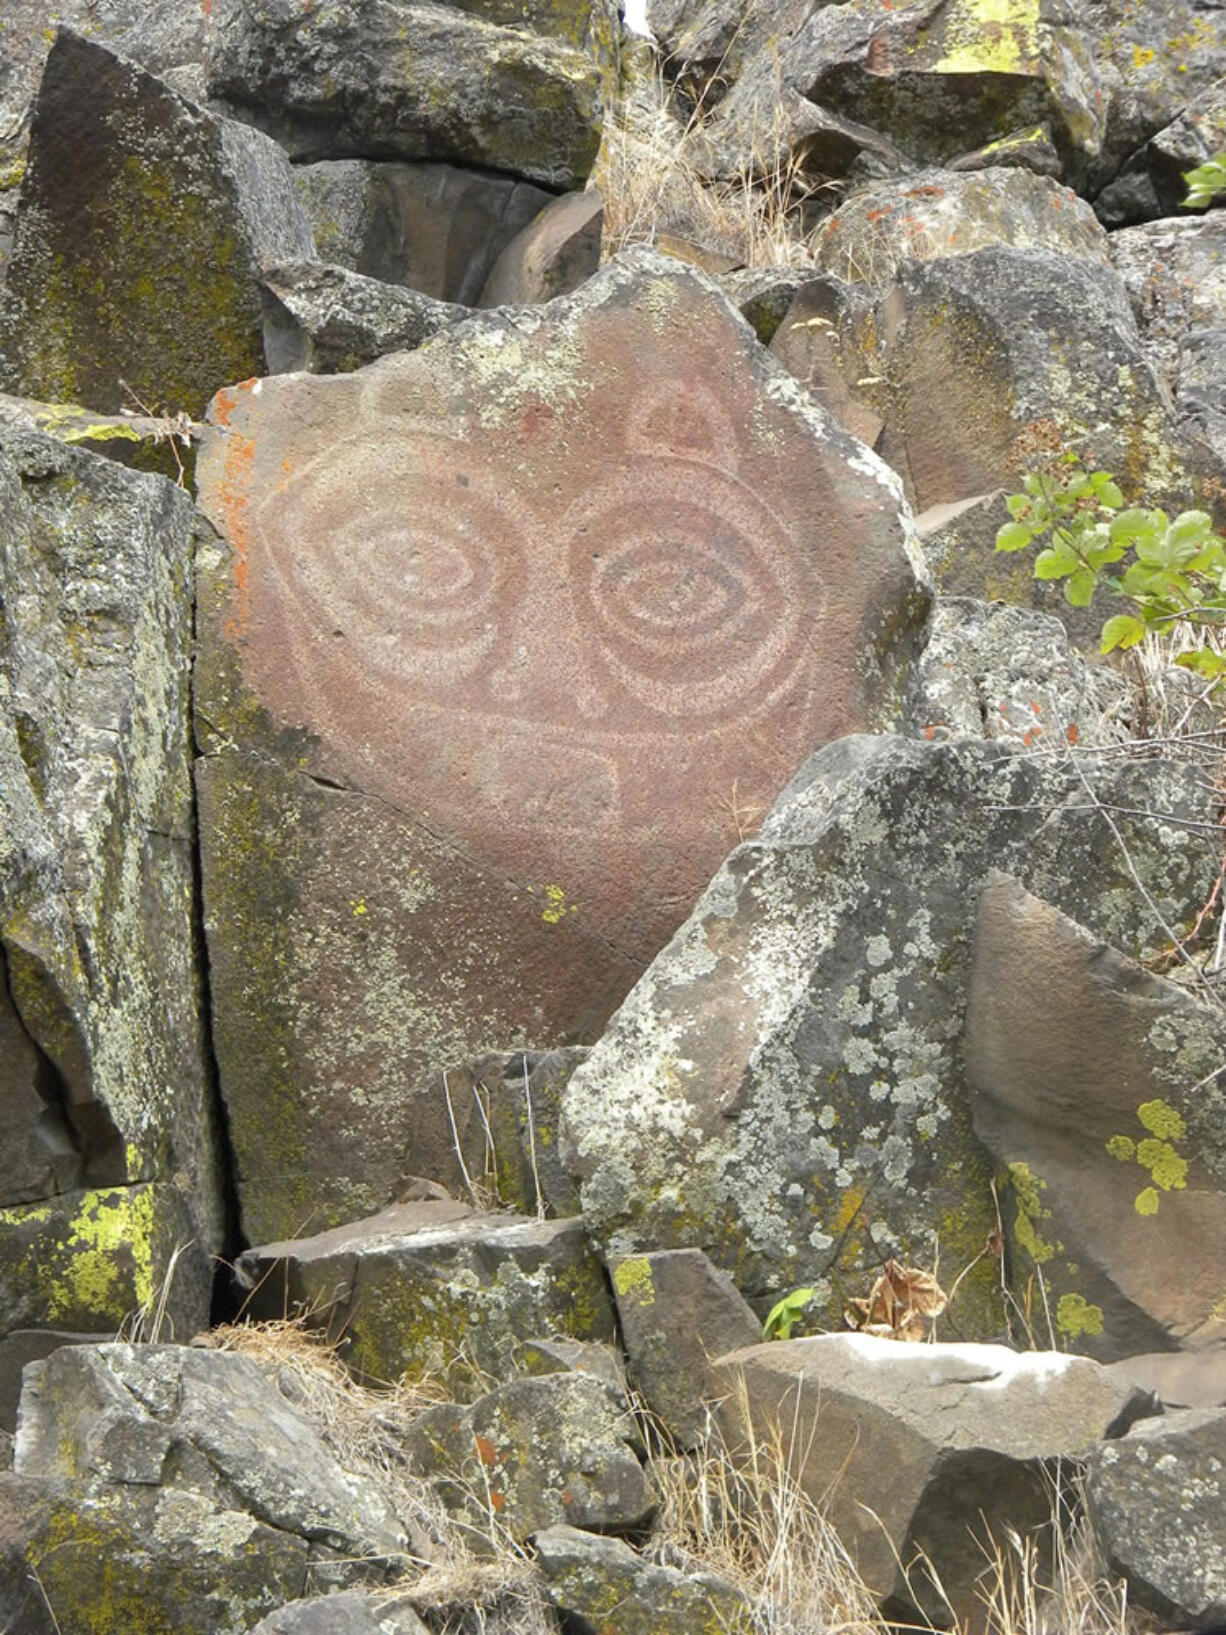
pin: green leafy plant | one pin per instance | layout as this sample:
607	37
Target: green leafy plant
1170	573
1205	183
784	1315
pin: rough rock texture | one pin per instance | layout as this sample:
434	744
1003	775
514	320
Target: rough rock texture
992	671
827	339
917	1447
1179	1379
1081	1067
935	213
25	1345
141	225
473	742
1155	1498
109	1152
553	255
432	1288
983	352
168	39
416	81
537	1452
958	543
174	1489
762	295
601	1587
349	1613
677	1313
1151	184
785	1079
1175	274
433	228
329	321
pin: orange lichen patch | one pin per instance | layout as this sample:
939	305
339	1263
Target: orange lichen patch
486	1451
1034	708
233	498
497	1500
226	400
1071	733
878	214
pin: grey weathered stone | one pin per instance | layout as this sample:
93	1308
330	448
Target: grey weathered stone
434	228
1155	1498
553	255
1174	271
1081	1066
935	213
413	81
921	1448
110	1149
1178	1379
143	442
600	1584
142	223
983	352
677	1313
328	321
206	1424
1029	149
785	1079
349	1613
23	1345
536	1452
433	1288
1150	184
436	760
993	671
827	339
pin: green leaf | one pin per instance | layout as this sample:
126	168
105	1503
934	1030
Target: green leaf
783	1316
1190	527
1057	562
1122	631
1079	591
1018	504
1013	536
1107	489
1134	525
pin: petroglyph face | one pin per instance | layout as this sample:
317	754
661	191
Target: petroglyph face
578	597
566	649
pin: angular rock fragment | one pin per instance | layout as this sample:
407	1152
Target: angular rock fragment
935	213
350	1613
827	339
24	1345
1178	1379
141	227
919	1450
418	81
553	255
535	1453
784	1085
1174	271
109	1157
329	321
432	1288
1095	1084
201	1422
762	295
473	739
434	228
677	1313
1155	1497
600	1584
142	442
992	671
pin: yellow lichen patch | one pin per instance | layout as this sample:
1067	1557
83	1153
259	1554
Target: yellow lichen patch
1075	1316
1122	1147
849	1207
109	1226
1027	1188
1161	1119
632	1278
990	37
1146	1202
556	907
1167	1169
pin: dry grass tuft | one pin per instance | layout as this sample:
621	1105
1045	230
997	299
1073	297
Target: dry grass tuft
650	176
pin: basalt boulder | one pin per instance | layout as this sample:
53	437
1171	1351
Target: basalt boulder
473	740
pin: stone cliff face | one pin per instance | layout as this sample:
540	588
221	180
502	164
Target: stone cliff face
534	823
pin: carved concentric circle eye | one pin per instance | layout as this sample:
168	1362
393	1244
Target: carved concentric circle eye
687	580
419	565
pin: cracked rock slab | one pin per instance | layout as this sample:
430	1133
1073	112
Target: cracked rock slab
506	641
915	1447
600	1584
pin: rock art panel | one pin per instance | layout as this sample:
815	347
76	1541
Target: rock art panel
533	624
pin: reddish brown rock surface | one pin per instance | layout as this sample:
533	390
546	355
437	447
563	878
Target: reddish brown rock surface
512	639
